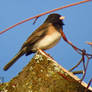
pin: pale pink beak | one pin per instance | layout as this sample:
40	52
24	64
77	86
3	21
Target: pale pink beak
61	18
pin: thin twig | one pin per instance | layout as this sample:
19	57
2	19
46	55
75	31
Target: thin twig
76	65
78	72
89	83
83	59
21	22
35	20
85	70
80	51
89	43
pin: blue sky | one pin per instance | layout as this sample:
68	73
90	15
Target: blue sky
78	29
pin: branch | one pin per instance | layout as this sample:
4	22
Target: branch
76	65
21	22
82	52
44	74
88	85
89	43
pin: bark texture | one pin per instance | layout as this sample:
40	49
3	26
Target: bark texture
43	74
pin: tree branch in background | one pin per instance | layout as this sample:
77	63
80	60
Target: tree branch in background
79	62
88	85
82	52
89	43
21	22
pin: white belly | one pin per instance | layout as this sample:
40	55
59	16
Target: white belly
48	41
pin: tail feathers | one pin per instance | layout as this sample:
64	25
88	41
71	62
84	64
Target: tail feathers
15	58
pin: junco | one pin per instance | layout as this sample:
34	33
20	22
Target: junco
44	37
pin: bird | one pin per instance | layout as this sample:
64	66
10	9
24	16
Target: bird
44	37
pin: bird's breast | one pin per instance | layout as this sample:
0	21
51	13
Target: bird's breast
48	41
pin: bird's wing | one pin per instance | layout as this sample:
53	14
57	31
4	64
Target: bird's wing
36	35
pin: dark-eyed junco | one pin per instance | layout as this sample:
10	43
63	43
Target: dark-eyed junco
44	37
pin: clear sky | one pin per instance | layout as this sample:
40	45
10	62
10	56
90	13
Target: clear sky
78	29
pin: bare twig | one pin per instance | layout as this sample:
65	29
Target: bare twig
35	20
85	69
83	59
21	22
89	43
81	52
85	66
78	72
76	65
88	85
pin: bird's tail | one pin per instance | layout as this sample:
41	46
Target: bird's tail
15	58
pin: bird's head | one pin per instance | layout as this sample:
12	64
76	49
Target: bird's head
55	19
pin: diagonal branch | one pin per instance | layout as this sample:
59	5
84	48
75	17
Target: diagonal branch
34	17
82	52
76	65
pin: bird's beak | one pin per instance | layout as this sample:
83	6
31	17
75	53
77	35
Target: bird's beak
61	18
